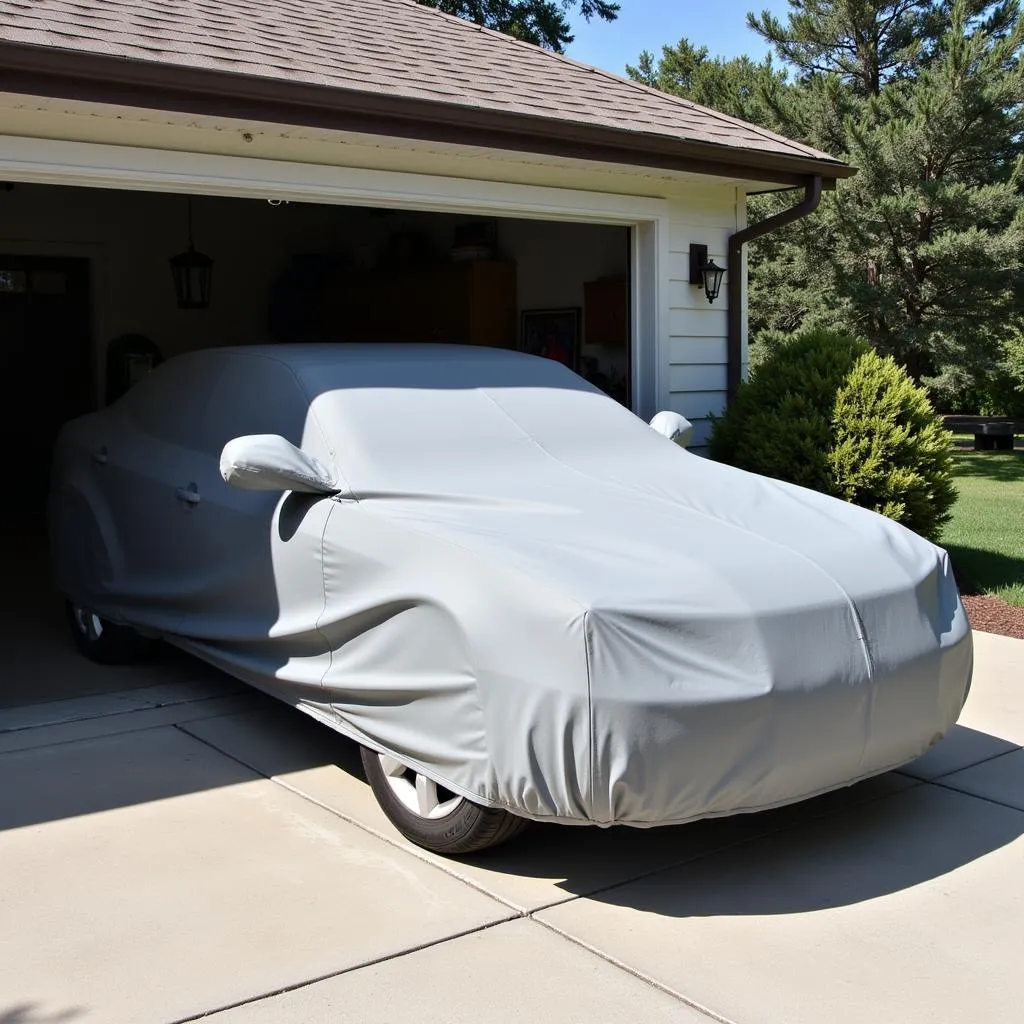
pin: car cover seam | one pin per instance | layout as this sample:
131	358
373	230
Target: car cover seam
591	733
323	585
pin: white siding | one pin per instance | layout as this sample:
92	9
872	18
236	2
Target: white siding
697	348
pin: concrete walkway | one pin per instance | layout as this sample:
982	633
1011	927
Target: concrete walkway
188	849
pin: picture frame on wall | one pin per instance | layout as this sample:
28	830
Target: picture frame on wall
552	333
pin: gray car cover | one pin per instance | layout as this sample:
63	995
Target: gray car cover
518	588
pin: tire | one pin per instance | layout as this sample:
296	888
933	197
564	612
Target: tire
452	825
102	641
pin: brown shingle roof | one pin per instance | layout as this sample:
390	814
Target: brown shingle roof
393	48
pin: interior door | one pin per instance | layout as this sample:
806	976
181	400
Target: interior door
45	368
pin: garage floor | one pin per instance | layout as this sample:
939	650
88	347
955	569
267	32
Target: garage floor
41	661
176	848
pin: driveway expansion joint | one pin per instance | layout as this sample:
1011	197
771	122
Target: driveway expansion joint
123	713
736	844
639	975
330	975
412	851
961	768
977	796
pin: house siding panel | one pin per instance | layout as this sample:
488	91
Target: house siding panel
697	349
698	323
698	405
695	378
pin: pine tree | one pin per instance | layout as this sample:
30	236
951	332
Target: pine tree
738	87
923	250
542	22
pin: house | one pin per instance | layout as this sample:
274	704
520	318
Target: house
357	169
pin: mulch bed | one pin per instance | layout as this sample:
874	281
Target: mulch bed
991	615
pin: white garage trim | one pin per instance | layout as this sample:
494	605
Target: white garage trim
56	162
59	162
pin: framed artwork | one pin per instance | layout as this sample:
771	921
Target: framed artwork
552	333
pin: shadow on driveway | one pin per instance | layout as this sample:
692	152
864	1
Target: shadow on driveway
887	834
878	837
876	850
62	780
29	1013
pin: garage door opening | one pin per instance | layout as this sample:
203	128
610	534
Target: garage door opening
87	298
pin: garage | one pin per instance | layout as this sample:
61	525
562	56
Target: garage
161	193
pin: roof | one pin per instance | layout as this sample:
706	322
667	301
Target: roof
373	55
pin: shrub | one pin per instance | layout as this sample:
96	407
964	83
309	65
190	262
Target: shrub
827	412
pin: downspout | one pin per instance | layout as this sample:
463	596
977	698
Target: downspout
734	368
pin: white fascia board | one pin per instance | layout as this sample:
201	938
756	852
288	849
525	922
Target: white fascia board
59	162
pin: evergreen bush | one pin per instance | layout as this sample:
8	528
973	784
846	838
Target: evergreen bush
827	412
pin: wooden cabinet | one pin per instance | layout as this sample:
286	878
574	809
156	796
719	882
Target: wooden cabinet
471	303
606	313
606	336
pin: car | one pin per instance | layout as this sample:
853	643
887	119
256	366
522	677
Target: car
522	601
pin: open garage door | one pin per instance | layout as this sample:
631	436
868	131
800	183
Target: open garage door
88	301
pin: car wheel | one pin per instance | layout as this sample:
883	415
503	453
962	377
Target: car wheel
429	815
102	641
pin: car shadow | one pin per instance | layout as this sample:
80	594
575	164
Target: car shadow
873	851
886	834
859	843
867	841
977	568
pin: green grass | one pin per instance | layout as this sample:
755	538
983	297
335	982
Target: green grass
985	537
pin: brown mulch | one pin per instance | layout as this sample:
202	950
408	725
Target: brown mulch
991	615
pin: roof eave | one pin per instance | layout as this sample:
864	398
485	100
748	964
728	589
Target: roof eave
100	78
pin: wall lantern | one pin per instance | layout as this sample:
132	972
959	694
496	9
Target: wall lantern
704	271
193	274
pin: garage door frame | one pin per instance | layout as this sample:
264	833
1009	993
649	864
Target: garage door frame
93	165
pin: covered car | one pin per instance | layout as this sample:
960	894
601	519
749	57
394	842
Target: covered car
519	598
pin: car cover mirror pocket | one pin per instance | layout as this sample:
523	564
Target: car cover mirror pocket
269	462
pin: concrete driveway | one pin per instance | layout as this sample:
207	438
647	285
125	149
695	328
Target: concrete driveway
179	848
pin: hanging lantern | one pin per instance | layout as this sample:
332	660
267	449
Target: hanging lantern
193	274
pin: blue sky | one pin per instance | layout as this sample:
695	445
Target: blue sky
720	25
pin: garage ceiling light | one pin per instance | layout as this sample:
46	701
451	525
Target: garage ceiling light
193	273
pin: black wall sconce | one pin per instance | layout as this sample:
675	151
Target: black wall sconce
193	274
704	271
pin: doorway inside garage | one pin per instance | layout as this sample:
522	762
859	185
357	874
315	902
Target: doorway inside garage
45	363
88	302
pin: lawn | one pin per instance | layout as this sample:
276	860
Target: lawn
985	537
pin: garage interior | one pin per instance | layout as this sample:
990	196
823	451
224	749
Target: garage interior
89	301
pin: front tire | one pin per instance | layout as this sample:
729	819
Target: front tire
429	815
104	642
